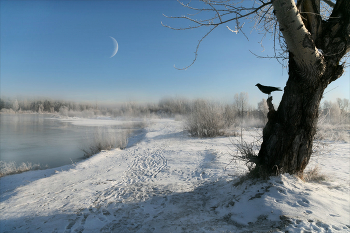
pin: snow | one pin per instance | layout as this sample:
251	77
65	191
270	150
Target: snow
105	121
166	181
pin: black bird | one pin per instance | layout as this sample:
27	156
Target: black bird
267	89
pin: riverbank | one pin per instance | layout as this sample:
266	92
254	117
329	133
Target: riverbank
166	181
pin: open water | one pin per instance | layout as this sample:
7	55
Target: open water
41	139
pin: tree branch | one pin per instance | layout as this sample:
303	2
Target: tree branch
224	12
310	11
329	3
219	14
196	52
298	39
336	33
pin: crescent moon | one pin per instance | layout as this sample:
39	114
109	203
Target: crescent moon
115	47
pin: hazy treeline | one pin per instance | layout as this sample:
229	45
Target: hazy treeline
40	106
238	112
335	112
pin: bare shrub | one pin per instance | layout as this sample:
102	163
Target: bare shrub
332	132
106	139
134	109
205	120
9	168
7	111
313	175
173	106
63	111
229	115
246	152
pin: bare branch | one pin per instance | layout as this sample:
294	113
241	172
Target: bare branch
261	12
224	12
329	2
196	52
189	27
237	29
236	13
268	57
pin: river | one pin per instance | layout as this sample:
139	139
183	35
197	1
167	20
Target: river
45	140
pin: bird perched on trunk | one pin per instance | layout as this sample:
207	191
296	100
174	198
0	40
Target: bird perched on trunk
267	89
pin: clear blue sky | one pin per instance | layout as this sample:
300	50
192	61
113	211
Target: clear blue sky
62	49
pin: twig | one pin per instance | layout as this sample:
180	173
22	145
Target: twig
196	52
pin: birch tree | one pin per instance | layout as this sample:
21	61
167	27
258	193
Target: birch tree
314	36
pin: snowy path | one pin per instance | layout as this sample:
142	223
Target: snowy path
168	182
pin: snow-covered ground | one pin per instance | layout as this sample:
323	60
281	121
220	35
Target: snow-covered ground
166	181
100	121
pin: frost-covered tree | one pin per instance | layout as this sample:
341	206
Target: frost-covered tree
335	113
15	106
40	108
241	105
315	37
63	111
47	106
343	105
262	106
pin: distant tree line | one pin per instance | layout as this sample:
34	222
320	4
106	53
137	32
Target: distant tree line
336	112
48	106
239	112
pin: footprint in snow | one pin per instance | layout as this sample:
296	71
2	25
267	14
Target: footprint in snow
282	191
105	212
304	202
101	218
308	212
80	229
84	218
70	225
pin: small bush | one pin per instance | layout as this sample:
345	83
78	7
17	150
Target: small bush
247	152
9	168
7	111
229	115
132	109
205	120
332	132
172	106
106	139
313	175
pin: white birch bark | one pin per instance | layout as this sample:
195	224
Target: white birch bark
298	39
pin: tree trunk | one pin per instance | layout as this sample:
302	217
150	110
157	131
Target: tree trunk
289	133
